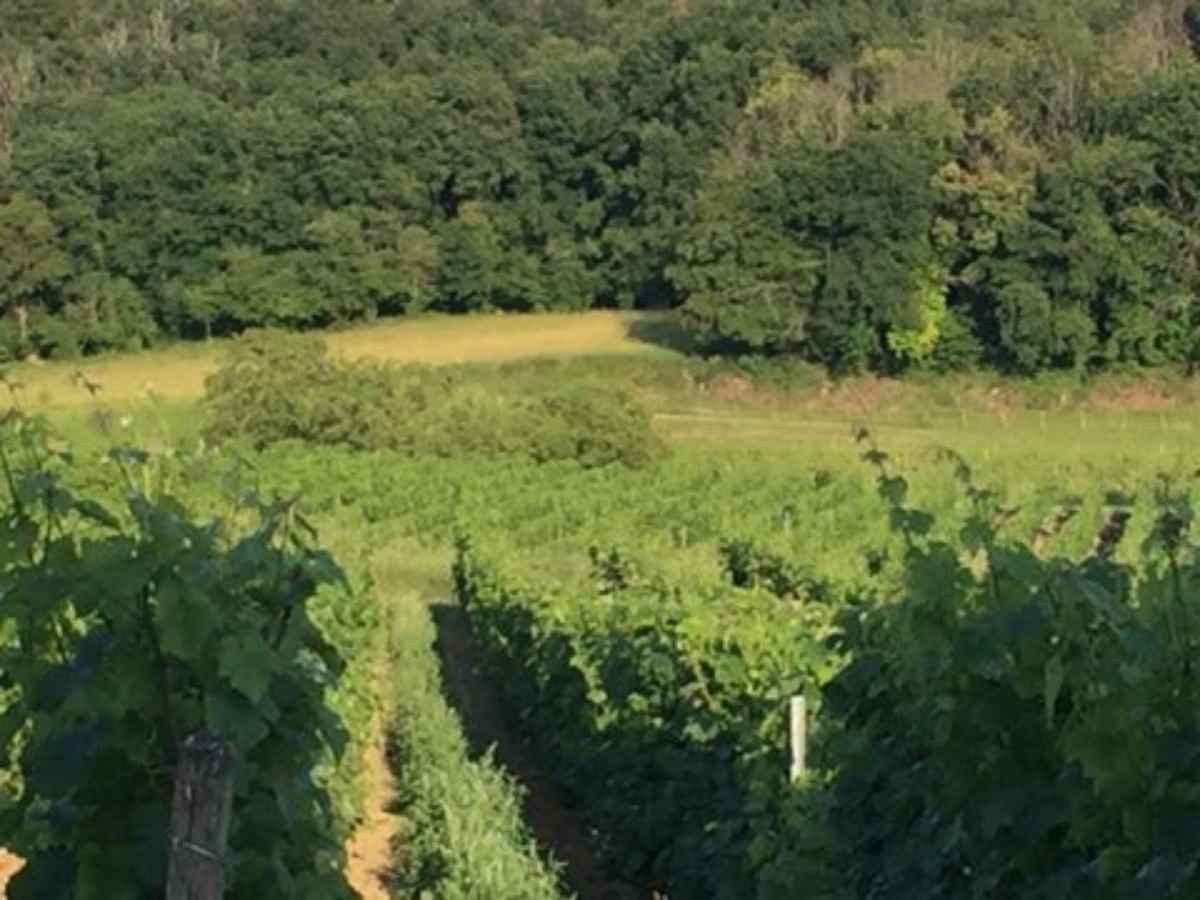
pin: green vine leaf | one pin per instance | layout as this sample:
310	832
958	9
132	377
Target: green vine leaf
249	663
186	620
1054	674
232	716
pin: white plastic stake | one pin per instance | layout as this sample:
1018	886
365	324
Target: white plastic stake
799	736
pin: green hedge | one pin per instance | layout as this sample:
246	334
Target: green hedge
273	387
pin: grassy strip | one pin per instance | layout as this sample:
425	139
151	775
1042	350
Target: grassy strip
355	623
464	838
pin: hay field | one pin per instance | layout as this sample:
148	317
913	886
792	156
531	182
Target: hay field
178	373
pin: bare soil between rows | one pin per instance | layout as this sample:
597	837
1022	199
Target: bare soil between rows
558	829
369	850
9	865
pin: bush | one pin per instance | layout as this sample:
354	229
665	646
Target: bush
595	427
276	387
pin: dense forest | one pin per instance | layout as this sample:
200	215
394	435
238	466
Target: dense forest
867	184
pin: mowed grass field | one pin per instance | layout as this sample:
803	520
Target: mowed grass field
178	373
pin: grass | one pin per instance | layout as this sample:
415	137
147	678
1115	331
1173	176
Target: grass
178	372
712	404
463	838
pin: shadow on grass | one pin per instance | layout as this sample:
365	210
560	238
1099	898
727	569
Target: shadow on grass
475	698
662	330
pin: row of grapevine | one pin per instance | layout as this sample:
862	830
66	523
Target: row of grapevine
664	713
809	502
126	626
464	837
1020	723
1003	720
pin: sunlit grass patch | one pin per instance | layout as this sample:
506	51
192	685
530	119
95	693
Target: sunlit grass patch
178	372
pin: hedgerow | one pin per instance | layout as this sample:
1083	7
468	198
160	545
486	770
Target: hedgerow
273	387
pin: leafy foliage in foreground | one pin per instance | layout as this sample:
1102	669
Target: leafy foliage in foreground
123	631
1039	714
275	387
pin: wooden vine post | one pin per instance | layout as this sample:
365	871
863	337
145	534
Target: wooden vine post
200	817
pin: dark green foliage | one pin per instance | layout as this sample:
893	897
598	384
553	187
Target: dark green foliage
838	240
1035	715
750	566
124	630
275	387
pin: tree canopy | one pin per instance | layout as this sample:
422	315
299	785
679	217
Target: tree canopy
868	185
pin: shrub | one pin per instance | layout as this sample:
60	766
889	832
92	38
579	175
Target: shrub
276	387
595	427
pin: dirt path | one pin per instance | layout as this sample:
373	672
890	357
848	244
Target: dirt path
557	828
369	850
9	865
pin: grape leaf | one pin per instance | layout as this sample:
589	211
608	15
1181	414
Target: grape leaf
186	621
231	716
54	766
1054	682
248	662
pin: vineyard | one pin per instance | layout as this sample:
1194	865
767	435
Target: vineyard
999	717
599	449
992	630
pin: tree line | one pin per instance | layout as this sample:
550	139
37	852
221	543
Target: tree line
866	185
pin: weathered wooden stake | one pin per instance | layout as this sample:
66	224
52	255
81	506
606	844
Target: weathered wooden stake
799	736
200	818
